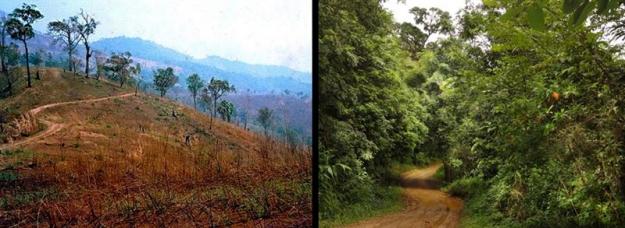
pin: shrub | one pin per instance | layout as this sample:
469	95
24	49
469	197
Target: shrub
8	176
465	187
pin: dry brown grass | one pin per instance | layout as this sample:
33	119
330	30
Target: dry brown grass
125	162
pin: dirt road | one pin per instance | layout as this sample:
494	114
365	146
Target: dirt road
426	205
52	127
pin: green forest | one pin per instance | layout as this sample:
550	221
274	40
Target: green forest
521	101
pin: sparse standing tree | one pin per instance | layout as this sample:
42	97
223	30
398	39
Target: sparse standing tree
194	84
66	31
206	100
265	119
137	73
85	29
217	88
164	79
19	26
226	110
118	67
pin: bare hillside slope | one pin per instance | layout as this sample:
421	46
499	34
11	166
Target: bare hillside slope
113	158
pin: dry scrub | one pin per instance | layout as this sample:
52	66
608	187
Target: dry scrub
126	162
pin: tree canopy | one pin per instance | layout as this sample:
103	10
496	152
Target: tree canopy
194	84
119	67
265	119
216	89
164	79
521	101
66	32
20	27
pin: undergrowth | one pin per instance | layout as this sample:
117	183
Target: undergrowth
386	199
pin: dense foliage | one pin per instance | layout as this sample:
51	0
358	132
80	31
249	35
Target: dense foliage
543	126
525	109
368	115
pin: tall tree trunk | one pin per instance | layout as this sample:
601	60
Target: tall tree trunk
215	107
87	59
211	117
27	63
194	106
69	61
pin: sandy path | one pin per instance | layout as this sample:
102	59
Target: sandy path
51	126
426	205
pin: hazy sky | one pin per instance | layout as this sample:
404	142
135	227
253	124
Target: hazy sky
275	32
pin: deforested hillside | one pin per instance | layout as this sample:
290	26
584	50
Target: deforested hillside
99	154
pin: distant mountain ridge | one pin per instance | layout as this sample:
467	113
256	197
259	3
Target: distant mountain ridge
141	48
213	64
254	69
254	77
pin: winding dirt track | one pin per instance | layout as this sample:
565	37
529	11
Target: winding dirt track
51	126
426	205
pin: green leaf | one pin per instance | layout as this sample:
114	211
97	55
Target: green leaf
344	167
329	170
582	13
570	5
536	17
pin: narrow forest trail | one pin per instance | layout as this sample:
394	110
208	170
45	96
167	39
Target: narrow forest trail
52	127
426	205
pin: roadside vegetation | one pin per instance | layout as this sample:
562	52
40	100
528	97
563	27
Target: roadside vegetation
521	102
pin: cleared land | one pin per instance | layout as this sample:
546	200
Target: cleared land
126	161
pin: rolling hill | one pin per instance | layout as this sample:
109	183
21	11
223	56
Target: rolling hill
85	152
260	78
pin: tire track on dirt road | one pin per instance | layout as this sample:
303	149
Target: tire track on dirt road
52	127
426	205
